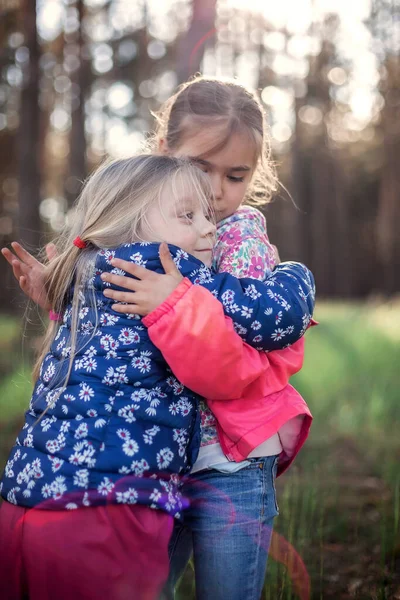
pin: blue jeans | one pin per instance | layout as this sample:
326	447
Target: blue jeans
228	529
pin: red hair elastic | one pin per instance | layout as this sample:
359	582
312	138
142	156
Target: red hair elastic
79	243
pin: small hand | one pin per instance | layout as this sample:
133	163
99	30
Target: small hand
148	291
29	272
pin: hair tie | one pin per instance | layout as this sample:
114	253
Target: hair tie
79	243
53	316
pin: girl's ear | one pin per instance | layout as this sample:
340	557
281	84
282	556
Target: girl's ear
163	146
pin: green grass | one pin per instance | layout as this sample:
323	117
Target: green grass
340	502
15	376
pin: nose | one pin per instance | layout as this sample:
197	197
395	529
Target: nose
208	228
216	183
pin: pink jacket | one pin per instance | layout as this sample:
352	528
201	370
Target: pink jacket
247	390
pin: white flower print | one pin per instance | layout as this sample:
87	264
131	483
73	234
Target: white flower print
86	392
99	423
127	412
137	258
246	312
130	496
49	372
185	406
138	395
138	467
130	447
65	426
81	478
107	319
128	336
164	458
278	334
256	325
173	408
39	389
150	433
56	463
180	254
81	431
278	317
28	441
156	495
228	297
52	397
204	275
83	454
252	292
105	487
66	352
115	376
142	362
46	490
58	487
268	311
83	312
61	344
108	254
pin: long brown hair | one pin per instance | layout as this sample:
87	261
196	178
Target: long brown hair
228	108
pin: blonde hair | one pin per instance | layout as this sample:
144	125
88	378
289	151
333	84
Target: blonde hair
229	108
110	211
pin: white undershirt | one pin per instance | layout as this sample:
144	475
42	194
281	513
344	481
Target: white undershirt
212	457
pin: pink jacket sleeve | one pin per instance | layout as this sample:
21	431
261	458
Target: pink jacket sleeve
205	353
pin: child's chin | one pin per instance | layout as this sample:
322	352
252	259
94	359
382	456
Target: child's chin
206	261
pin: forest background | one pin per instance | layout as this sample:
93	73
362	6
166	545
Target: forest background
78	81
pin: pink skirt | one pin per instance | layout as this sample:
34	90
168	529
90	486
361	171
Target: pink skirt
118	552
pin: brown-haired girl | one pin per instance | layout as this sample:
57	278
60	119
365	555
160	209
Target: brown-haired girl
220	125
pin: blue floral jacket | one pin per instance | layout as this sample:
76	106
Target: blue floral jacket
123	429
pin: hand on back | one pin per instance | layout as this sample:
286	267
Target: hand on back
29	272
148	290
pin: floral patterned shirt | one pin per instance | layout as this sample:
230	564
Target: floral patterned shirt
243	250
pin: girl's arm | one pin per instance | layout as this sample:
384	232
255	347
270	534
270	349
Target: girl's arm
231	365
267	315
29	272
201	346
188	324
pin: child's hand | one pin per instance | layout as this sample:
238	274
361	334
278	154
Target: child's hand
29	272
148	291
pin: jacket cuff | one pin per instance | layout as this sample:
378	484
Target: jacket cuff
168	304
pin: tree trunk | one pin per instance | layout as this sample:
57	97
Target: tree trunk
389	203
28	134
77	147
191	47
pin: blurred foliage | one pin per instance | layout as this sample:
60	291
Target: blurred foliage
79	79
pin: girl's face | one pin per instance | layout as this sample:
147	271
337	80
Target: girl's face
229	169
179	219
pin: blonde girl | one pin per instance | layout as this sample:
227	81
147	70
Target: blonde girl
92	483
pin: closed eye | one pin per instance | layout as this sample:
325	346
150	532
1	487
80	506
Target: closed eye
235	179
